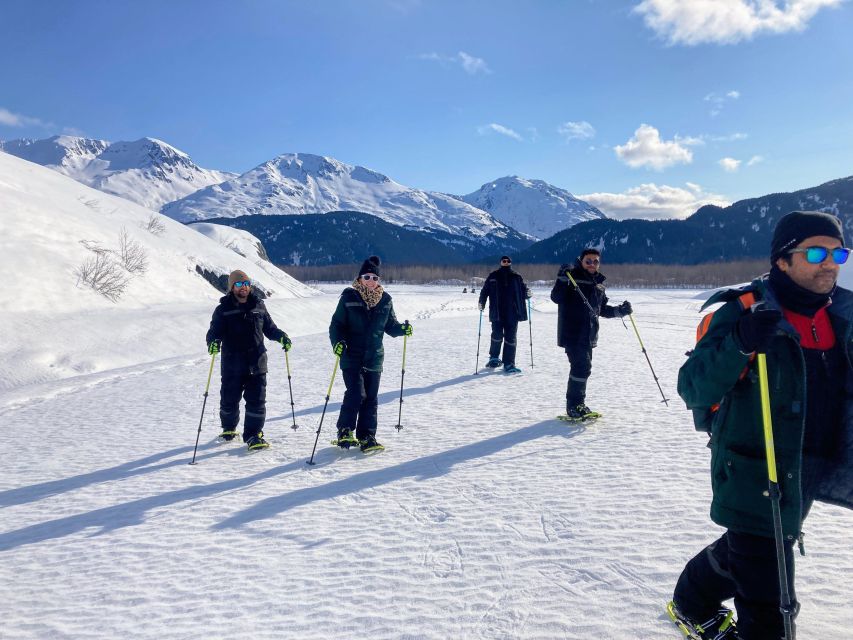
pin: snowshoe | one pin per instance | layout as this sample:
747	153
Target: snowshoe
369	445
494	363
511	369
345	440
721	626
579	413
228	434
256	443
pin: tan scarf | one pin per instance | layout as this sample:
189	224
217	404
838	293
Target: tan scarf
371	297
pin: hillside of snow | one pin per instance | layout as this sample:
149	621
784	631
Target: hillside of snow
53	227
299	183
148	172
533	207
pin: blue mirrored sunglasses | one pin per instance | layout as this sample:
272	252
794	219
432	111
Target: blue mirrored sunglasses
243	283
816	255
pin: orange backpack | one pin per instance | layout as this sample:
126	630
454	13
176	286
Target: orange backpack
703	417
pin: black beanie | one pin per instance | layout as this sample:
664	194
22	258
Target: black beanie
371	265
796	226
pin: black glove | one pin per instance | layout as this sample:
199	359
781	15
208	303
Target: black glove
625	309
754	329
561	274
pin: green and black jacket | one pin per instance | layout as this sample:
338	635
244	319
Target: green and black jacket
718	372
363	329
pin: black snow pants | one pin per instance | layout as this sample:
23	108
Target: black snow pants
253	388
504	332
358	410
580	368
743	567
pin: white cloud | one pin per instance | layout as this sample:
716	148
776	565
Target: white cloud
10	119
754	160
728	138
692	22
718	101
729	165
499	128
654	202
646	149
581	130
471	64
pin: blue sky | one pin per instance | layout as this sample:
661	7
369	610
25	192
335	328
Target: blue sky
649	108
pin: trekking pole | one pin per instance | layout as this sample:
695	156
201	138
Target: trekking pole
323	415
479	333
203	405
645	353
399	424
775	498
530	326
294	426
580	293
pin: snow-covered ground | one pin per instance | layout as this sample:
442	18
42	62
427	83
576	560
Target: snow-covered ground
484	518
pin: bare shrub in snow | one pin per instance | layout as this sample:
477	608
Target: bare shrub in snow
154	225
132	254
103	275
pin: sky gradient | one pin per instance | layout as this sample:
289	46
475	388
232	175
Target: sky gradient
649	108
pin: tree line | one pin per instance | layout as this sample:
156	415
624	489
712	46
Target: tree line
629	276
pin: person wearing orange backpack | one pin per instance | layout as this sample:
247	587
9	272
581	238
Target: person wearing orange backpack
798	316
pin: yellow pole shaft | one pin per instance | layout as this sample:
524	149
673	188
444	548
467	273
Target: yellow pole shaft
209	374
634	324
287	362
404	352
770	447
334	372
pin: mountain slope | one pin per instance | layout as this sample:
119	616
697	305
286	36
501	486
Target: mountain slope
148	172
298	184
739	231
533	207
346	236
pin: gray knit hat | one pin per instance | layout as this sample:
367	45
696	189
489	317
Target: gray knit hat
236	276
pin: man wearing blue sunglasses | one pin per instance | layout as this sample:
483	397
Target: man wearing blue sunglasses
798	316
238	327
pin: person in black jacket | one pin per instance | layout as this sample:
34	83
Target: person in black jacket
363	315
507	295
577	323
238	327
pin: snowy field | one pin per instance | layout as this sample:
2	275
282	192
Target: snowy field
484	518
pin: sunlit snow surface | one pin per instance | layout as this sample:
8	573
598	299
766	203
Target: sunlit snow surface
484	518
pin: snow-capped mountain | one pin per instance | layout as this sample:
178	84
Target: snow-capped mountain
148	172
301	183
533	207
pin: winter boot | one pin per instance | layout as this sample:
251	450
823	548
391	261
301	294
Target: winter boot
720	626
494	363
370	444
257	442
346	439
579	411
228	434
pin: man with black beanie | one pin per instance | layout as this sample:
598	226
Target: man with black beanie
803	322
507	295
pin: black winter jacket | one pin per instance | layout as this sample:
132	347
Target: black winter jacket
516	289
363	329
242	329
575	324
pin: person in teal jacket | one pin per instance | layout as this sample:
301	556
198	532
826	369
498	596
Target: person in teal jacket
803	321
363	315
